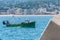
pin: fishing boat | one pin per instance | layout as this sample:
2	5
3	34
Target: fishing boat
26	24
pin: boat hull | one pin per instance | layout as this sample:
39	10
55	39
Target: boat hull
26	25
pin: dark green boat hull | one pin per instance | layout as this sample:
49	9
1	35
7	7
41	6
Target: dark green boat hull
26	25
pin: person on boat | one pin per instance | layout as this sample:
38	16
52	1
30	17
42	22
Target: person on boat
27	21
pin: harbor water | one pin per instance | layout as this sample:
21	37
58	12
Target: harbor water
18	33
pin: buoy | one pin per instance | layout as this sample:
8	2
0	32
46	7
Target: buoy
5	22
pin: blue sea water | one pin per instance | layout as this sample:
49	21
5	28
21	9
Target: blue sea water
18	33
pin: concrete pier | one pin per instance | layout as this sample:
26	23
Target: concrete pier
52	31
